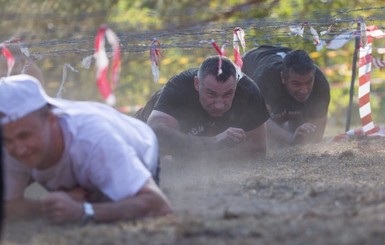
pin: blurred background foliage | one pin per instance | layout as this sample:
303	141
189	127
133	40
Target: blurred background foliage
63	32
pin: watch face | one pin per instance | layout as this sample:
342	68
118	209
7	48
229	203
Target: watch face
89	212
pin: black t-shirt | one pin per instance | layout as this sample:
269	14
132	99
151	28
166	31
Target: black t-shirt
180	99
264	66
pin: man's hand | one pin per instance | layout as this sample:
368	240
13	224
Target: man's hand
230	137
78	194
60	207
302	132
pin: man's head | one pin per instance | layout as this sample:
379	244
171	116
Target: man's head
216	91
19	96
30	129
298	72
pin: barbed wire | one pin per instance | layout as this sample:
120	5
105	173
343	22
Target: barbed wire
258	31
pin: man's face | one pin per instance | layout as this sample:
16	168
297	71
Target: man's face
299	86
28	140
216	97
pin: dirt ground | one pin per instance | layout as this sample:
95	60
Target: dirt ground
330	193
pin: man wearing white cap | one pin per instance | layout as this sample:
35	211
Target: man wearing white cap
95	162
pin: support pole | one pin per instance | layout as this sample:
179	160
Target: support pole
354	69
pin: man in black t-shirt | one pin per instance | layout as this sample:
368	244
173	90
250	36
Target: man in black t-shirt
200	111
296	93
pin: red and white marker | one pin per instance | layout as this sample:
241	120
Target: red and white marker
10	59
106	87
155	56
222	52
238	38
364	73
378	63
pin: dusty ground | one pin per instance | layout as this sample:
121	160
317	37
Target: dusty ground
331	193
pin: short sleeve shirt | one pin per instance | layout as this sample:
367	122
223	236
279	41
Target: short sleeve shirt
180	99
264	65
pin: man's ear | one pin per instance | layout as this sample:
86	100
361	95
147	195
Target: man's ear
196	83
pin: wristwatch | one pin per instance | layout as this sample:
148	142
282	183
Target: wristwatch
89	213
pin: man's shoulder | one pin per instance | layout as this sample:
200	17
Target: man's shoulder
84	109
183	77
180	88
320	76
263	61
247	88
266	50
85	117
181	84
246	82
321	82
90	133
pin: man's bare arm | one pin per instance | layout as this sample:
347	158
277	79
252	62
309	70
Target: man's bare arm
318	134
149	201
23	208
276	133
172	141
60	207
310	132
253	147
256	141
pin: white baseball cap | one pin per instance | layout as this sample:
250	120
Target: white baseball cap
19	96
